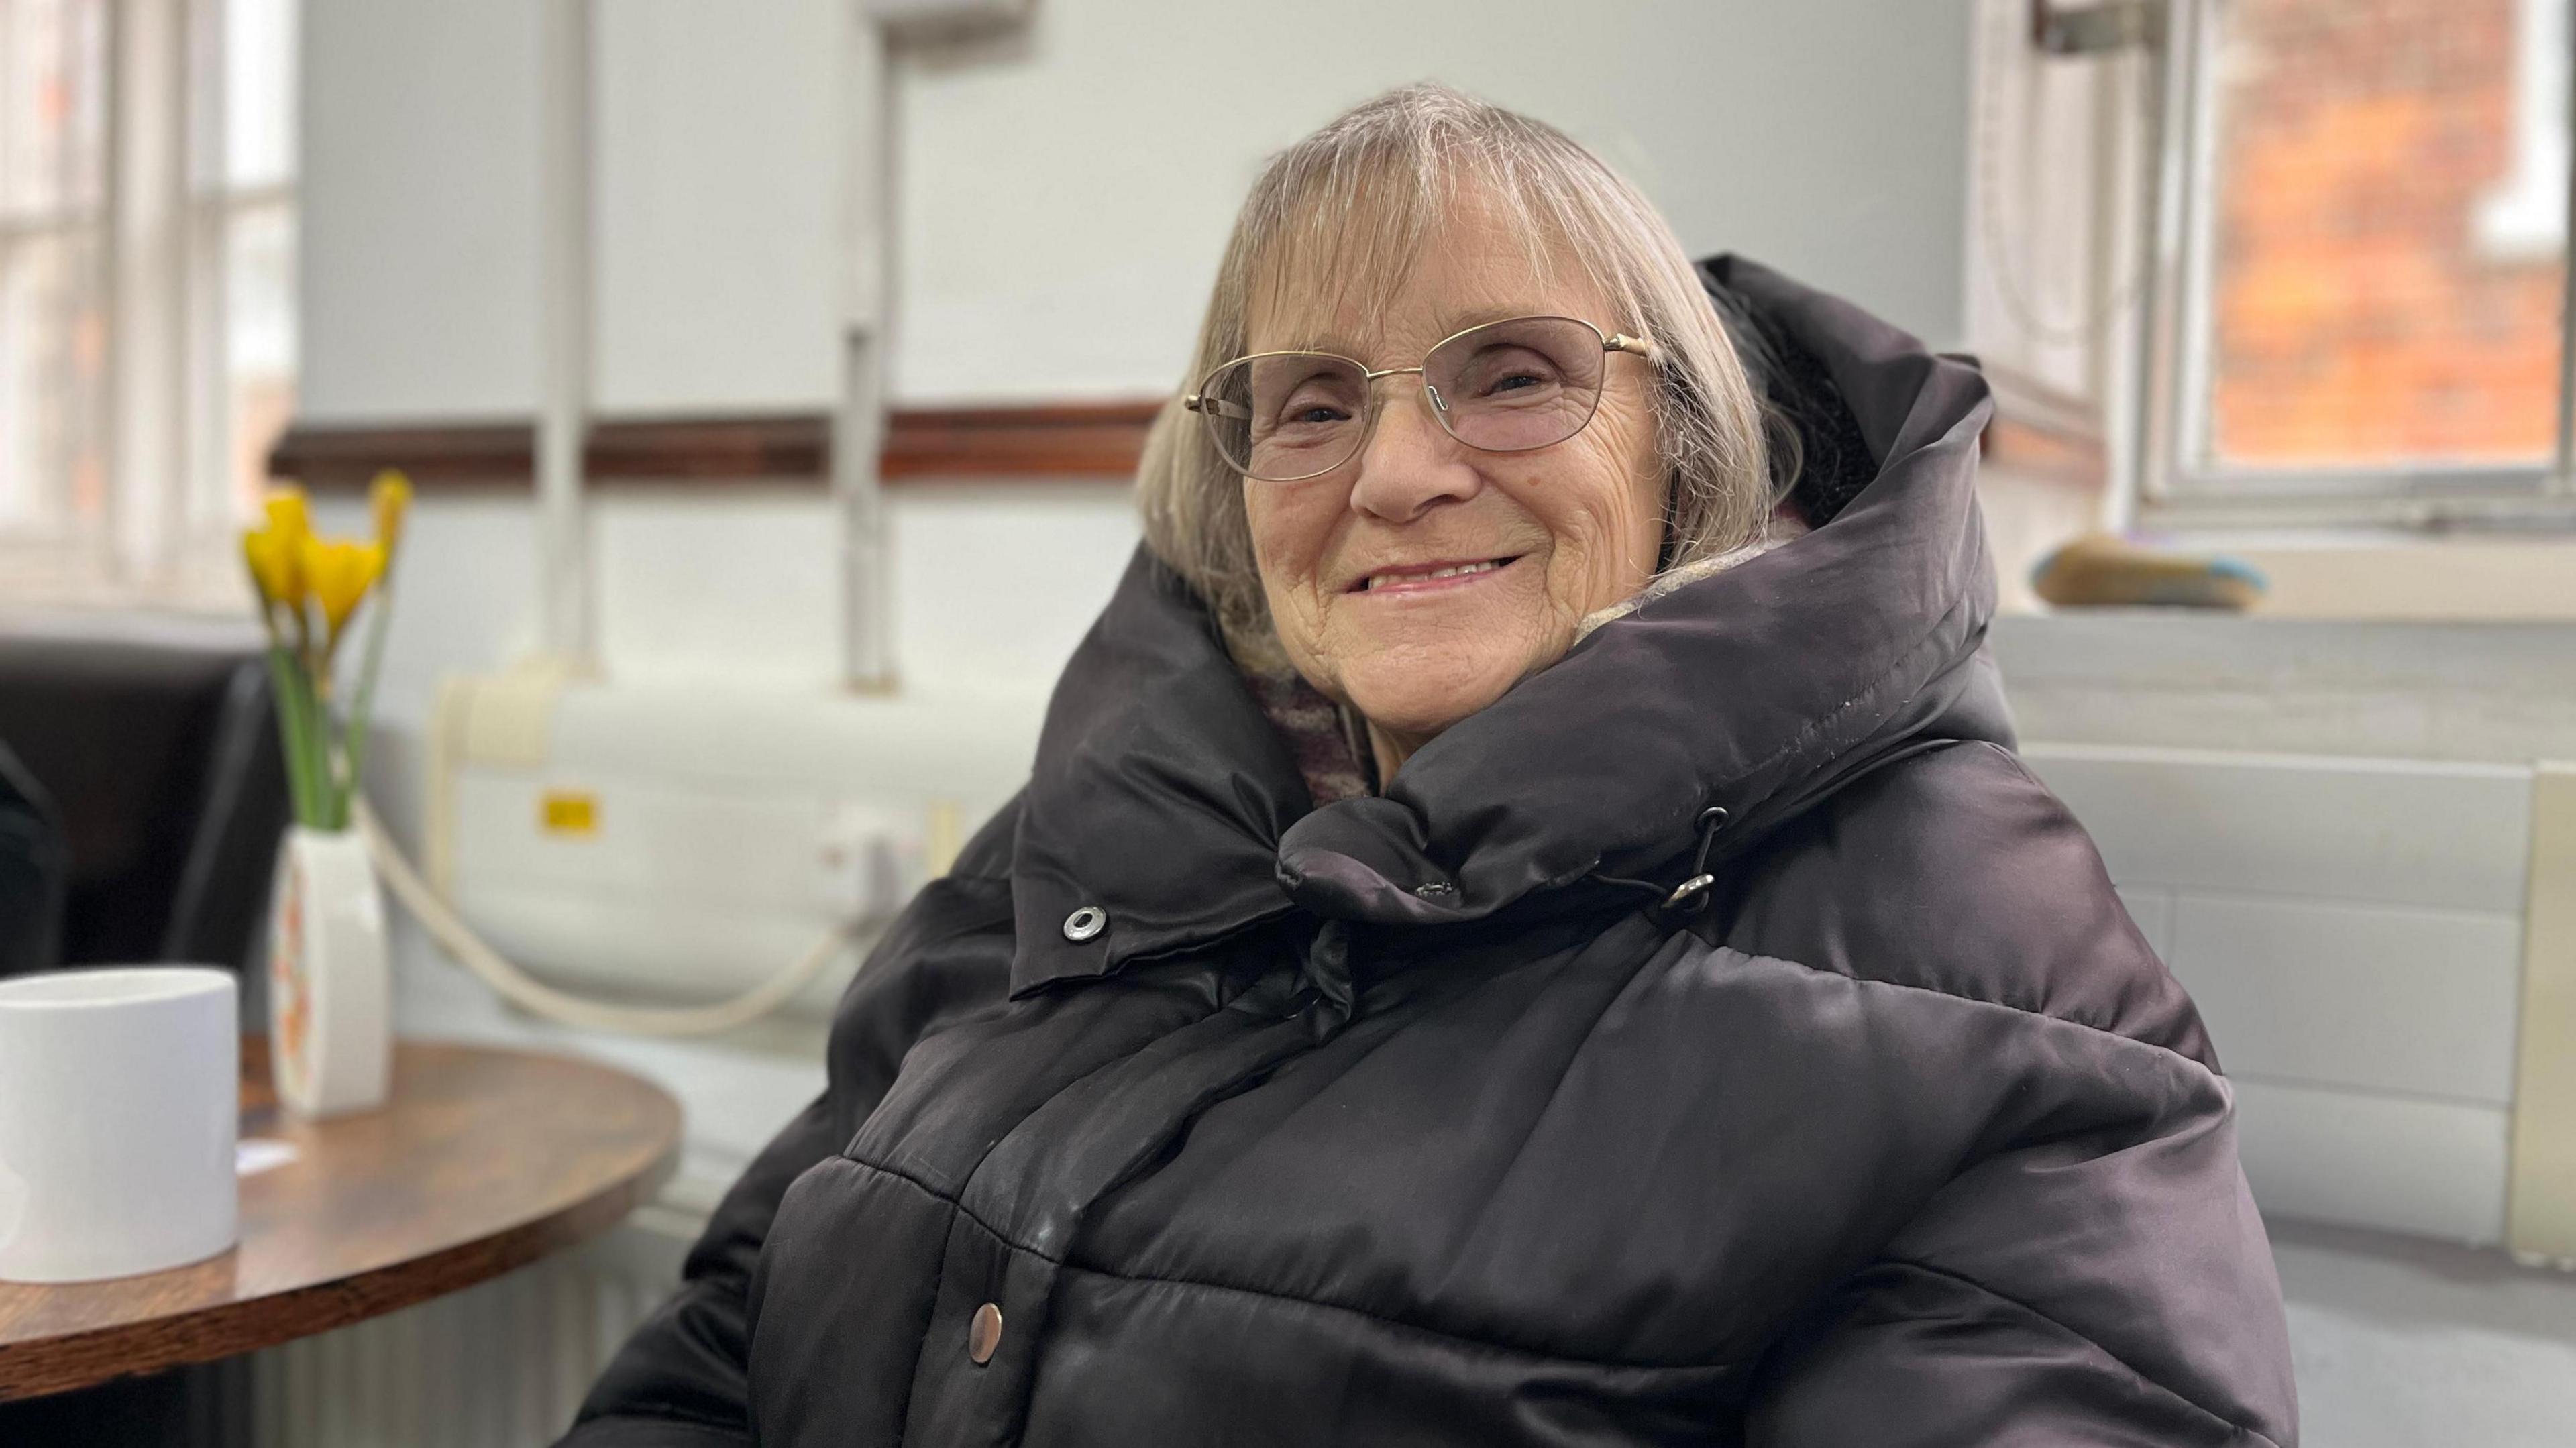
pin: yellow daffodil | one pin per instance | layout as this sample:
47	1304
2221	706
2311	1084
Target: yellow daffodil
391	496
337	573
308	584
288	512
276	553
272	562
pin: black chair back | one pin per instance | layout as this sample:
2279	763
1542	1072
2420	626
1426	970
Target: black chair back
162	765
35	870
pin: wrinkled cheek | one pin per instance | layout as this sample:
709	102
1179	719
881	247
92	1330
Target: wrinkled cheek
1288	568
1596	565
1305	626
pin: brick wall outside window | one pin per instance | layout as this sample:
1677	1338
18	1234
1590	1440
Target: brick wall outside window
2359	315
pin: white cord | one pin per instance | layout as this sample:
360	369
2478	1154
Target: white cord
535	996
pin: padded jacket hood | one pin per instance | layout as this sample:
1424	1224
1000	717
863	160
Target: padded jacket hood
1447	1115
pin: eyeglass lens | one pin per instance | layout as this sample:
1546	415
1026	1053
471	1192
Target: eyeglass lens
1508	386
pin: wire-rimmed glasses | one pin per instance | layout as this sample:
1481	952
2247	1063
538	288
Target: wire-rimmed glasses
1507	386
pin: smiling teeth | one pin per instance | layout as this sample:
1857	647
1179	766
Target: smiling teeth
1488	566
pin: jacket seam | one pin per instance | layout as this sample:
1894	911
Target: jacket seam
2024	1012
2124	1365
2020	767
1402	1325
992	1146
903	1407
956	1205
608	1427
1824	723
1067	1265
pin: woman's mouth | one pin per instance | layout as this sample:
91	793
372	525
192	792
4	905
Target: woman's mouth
1428	577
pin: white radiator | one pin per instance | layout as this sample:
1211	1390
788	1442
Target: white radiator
500	1365
690	842
2380	948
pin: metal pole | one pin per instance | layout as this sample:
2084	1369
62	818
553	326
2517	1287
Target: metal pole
858	424
2154	443
2562	477
564	340
147	212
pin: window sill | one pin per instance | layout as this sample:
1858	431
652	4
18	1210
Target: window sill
70	580
232	631
2395	578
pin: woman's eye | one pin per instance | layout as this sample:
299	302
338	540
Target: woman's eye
1312	404
1510	372
1312	412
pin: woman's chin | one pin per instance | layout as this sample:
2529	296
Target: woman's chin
1418	696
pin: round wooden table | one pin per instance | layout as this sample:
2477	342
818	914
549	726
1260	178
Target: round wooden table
482	1161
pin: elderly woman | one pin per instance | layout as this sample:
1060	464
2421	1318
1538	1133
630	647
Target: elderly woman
1526	925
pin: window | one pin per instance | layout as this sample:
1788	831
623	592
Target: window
147	233
243	252
53	266
2364	264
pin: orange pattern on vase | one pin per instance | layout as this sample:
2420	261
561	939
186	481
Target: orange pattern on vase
286	975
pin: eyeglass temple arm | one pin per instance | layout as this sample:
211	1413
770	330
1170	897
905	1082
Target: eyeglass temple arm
1215	406
1633	346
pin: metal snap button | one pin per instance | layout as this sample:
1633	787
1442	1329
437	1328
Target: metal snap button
984	1334
1085	923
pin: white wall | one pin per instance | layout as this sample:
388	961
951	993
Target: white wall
416	280
1065	191
717	207
720	225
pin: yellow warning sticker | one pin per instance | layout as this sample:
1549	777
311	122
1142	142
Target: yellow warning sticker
568	812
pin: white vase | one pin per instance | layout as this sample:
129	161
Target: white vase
330	1024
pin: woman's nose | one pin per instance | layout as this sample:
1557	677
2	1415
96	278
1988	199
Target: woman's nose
1410	462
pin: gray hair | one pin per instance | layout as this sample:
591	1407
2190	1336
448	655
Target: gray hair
1348	208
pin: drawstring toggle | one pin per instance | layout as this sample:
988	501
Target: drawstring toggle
1692	894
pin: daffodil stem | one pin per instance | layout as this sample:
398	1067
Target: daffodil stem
317	747
335	807
290	723
354	744
317	733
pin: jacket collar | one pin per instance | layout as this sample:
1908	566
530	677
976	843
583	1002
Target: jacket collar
1162	796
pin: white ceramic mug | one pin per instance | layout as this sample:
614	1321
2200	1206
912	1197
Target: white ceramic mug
120	1097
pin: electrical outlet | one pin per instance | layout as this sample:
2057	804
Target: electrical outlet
869	859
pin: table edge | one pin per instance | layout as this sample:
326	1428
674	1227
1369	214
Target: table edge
43	1367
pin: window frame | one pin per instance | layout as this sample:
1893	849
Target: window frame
82	220
2174	486
165	215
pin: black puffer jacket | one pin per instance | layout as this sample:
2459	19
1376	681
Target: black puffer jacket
1420	1118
